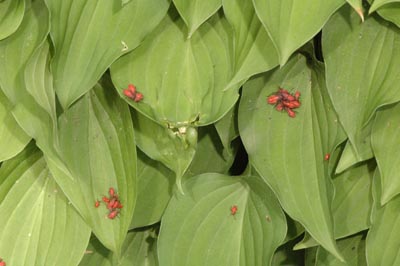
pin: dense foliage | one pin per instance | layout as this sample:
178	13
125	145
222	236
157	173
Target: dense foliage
218	132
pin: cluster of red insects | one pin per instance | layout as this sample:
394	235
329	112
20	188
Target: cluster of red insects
283	100
132	94
112	203
2	262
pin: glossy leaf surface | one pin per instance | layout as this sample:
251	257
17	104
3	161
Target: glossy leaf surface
11	14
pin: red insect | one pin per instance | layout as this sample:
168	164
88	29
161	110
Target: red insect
327	156
111	191
2	262
105	199
273	99
97	204
290	112
113	214
138	97
283	100
234	210
120	206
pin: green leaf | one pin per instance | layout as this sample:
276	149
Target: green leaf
383	239
96	142
16	50
174	148
38	222
210	156
292	23
254	50
11	14
390	12
89	35
195	12
352	248
358	7
352	204
285	255
289	152
377	4
140	249
370	52
182	80
385	132
12	138
198	228
154	190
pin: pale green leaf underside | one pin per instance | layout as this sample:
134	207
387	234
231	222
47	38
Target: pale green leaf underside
182	80
154	190
12	138
275	141
11	15
199	229
89	35
377	4
292	23
38	222
383	239
361	63
385	143
195	12
254	50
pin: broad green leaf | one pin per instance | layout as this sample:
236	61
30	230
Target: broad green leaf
198	228
285	255
211	155
39	80
89	35
38	222
361	60
358	7
182	80
174	148
195	12
352	248
254	50
96	142
12	138
289	152
352	204
16	50
292	23
140	249
377	4
383	239
391	12
385	143
154	190
310	256
11	14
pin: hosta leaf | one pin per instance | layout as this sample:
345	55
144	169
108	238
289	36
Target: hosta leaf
182	80
357	6
140	249
385	143
383	239
285	255
391	12
11	14
96	142
195	12
175	149
154	189
210	155
292	23
38	223
352	248
289	152
198	228
227	130
352	204
16	50
254	50
89	35
376	4
12	138
361	62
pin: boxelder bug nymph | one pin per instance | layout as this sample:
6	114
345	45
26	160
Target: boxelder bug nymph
234	209
283	100
132	94
327	156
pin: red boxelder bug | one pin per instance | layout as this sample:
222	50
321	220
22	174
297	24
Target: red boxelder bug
97	204
327	156
234	209
113	214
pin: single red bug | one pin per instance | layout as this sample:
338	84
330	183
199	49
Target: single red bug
273	99
132	88
2	262
279	107
234	210
111	191
105	199
327	156
113	214
120	206
297	95
129	94
290	112
138	97
97	204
